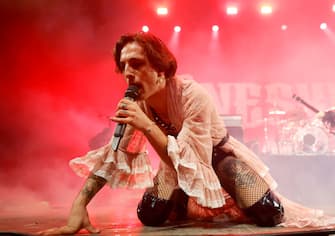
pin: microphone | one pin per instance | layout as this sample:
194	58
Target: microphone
131	94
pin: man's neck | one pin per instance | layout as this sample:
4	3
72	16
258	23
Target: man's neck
158	102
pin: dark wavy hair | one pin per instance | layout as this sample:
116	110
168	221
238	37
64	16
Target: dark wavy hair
158	54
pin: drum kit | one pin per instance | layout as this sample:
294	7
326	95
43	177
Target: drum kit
293	133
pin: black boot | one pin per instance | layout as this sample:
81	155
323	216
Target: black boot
153	211
267	212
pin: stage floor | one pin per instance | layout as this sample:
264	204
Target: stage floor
122	221
309	181
31	225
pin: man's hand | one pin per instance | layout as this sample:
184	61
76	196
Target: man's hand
78	218
77	221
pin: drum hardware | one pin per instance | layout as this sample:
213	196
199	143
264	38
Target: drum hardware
279	129
293	133
299	99
314	137
274	119
328	117
277	112
268	146
311	139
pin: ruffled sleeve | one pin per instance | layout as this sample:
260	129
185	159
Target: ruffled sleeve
191	150
128	167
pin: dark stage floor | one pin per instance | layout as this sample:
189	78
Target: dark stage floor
30	225
119	218
307	180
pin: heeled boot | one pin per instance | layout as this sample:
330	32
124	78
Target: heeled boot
153	211
267	212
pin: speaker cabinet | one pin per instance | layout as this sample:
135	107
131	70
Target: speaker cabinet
234	126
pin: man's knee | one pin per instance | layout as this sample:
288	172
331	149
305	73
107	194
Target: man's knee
153	211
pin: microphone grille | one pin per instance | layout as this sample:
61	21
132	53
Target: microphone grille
132	92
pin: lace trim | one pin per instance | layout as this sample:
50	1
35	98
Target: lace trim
118	168
198	182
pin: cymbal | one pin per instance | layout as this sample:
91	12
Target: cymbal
277	112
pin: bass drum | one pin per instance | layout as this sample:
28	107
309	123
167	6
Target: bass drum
311	139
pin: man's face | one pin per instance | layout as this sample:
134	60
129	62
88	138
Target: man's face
137	70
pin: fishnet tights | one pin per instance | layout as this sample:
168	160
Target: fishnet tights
240	181
160	189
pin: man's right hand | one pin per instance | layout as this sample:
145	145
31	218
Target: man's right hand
77	221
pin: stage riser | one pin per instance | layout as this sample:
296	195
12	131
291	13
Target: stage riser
307	179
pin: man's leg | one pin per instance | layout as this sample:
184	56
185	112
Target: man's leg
160	201
250	191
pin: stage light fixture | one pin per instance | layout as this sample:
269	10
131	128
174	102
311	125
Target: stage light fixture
323	26
177	28
215	28
145	28
284	27
162	11
232	10
266	9
334	7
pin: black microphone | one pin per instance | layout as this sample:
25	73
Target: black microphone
131	94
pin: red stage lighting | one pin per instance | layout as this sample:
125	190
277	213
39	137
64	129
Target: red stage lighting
177	28
266	9
231	10
284	27
162	11
215	28
145	28
323	26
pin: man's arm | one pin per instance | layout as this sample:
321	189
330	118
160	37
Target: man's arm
78	218
92	185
